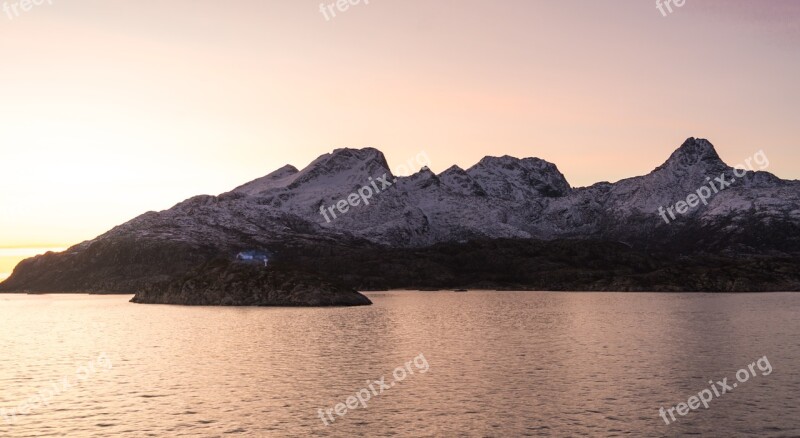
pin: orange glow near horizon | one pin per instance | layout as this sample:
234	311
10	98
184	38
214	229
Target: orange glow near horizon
111	110
9	257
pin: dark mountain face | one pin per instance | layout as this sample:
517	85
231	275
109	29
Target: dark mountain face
347	206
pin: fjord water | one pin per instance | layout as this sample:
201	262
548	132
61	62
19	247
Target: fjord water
500	364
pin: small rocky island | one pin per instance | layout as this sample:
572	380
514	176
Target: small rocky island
224	283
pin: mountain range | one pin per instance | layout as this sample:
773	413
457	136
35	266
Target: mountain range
504	223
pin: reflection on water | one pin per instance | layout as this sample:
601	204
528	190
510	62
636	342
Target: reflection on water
500	364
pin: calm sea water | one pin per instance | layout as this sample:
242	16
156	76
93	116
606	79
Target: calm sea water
498	364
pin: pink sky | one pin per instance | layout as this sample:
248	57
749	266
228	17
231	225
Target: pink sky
111	109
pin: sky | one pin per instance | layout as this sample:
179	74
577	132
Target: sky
112	109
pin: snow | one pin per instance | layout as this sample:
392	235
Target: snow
499	197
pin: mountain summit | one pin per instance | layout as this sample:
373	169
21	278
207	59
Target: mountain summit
694	151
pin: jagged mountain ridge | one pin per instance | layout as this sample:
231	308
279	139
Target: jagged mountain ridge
749	215
417	210
506	197
498	198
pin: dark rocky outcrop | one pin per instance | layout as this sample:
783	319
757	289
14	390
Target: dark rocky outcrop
221	282
560	265
107	266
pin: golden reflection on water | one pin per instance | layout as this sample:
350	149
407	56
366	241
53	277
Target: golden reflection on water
500	364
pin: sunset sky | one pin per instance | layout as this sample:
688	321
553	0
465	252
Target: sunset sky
109	109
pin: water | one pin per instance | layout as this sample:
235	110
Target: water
498	364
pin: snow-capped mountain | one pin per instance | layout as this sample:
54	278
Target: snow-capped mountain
506	197
753	210
497	198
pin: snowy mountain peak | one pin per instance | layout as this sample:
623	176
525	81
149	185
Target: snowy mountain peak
366	155
351	166
423	173
343	167
284	171
519	179
453	170
279	178
694	151
418	181
459	181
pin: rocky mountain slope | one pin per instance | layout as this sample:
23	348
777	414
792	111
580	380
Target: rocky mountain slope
500	199
505	197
